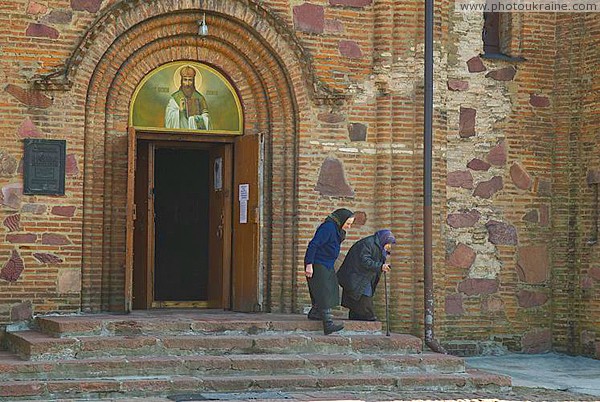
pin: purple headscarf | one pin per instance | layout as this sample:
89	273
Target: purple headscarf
385	236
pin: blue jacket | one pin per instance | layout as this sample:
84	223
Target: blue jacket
324	248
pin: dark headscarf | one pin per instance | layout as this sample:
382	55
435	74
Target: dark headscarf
385	236
339	217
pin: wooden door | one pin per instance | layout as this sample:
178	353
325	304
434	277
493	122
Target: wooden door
219	239
246	223
130	216
142	289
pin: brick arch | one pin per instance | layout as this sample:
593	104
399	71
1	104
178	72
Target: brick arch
273	98
124	14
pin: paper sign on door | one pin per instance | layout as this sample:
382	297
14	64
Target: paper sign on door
243	197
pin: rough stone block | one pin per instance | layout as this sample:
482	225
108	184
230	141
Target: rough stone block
12	269
64	210
350	3
460	178
28	130
478	164
21	312
520	176
538	100
486	189
537	341
532	216
309	18
357	132
466	124
457	85
478	286
41	31
331	118
29	97
532	264
8	164
454	304
332	179
464	219
55	239
503	74
12	222
47	258
463	256
497	155
475	65
593	176
528	299
350	49
90	6
501	233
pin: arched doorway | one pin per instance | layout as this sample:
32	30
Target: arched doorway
269	79
190	167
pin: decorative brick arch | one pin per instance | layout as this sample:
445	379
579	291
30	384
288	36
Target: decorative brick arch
263	65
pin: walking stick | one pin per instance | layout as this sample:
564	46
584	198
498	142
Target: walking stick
387	306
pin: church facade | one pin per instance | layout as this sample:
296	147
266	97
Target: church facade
180	154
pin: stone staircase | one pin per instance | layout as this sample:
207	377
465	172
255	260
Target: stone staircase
165	352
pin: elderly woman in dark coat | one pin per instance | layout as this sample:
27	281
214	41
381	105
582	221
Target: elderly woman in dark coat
322	251
360	273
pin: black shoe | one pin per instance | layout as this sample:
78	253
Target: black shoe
330	328
315	314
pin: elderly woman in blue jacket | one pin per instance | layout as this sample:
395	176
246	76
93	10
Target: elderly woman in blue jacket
360	273
321	253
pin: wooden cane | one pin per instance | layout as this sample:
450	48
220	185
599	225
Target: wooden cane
387	306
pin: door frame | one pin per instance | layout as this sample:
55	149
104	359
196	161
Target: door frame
171	140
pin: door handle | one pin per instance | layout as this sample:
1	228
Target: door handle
221	225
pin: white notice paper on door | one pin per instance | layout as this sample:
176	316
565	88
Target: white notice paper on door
244	192
218	174
244	211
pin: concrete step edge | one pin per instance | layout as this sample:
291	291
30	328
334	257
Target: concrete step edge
135	386
37	346
239	364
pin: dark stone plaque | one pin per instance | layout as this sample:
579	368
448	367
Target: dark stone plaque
44	166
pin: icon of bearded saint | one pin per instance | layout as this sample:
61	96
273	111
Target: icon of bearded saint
187	107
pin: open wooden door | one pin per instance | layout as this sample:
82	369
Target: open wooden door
142	289
130	218
219	238
246	223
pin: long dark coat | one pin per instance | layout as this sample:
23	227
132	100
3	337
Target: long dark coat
362	265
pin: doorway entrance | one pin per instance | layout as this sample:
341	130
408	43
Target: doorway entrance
192	237
181	213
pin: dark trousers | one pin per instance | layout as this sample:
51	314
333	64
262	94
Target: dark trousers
361	309
324	288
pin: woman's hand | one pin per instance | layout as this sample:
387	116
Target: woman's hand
308	270
386	268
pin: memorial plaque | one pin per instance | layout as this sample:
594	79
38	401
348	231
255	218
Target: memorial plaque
44	166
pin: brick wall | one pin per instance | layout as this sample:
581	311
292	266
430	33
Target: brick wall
576	264
336	86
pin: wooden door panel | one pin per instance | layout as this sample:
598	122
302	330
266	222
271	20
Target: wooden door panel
141	298
245	295
130	217
220	227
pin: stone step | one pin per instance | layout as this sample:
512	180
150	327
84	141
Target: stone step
165	385
33	345
188	323
13	368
